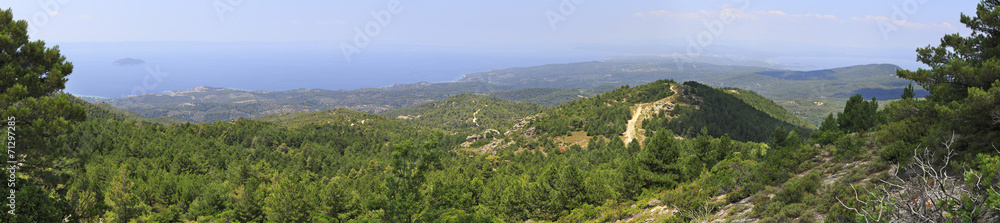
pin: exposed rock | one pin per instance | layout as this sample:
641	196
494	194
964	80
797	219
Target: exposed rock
653	203
473	137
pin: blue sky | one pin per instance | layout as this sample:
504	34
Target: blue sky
439	40
848	23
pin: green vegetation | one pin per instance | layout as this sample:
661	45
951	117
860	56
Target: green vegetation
859	115
341	116
207	104
106	111
736	155
767	106
549	96
605	114
34	111
808	95
466	112
721	113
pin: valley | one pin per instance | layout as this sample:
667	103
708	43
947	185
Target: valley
715	134
808	95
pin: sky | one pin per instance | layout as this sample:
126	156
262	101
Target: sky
842	23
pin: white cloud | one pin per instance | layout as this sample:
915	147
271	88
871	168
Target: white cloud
53	13
782	26
732	12
904	23
819	16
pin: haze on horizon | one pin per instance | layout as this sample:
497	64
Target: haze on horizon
850	23
883	31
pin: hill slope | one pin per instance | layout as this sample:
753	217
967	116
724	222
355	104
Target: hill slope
767	106
664	104
206	104
467	112
104	111
340	117
810	95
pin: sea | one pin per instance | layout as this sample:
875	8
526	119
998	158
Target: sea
171	66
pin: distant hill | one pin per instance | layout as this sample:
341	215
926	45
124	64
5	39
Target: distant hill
466	111
104	111
636	112
610	72
767	106
549	96
741	115
810	95
337	117
206	104
776	84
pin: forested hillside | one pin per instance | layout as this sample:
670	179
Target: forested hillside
466	112
248	170
106	111
549	96
698	106
721	114
810	95
656	152
208	104
767	106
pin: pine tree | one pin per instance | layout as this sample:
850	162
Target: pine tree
287	200
571	188
964	79
409	166
331	199
246	201
829	124
659	160
121	198
31	78
859	115
908	92
630	178
960	63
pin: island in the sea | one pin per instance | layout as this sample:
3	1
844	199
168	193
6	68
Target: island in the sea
128	61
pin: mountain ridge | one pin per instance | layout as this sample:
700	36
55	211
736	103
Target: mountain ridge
808	98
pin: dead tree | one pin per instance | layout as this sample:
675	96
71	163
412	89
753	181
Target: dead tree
927	193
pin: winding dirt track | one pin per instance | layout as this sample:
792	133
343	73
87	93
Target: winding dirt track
638	112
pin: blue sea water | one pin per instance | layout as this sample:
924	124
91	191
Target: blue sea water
282	66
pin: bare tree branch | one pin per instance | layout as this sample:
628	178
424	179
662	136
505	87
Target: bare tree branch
924	191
